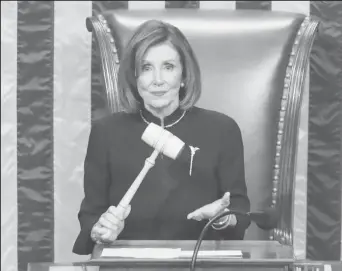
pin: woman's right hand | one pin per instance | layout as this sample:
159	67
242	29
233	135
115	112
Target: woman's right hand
110	224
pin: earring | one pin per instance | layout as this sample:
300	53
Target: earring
182	85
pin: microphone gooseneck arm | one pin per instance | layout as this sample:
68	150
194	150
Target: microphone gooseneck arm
265	220
205	229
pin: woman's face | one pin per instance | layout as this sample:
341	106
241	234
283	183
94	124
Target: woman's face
160	76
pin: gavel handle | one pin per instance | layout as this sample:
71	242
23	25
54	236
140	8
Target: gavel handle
126	199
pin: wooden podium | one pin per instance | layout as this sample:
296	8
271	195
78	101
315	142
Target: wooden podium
257	256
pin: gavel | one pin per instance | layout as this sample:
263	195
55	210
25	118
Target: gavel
162	141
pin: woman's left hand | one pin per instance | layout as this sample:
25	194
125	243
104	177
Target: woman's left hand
211	209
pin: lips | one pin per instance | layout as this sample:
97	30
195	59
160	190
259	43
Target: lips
158	93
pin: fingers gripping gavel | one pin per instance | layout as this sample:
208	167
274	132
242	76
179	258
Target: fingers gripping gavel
163	142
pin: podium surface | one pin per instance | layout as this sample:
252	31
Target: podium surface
256	256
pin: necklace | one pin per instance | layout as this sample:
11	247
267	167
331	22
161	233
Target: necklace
166	126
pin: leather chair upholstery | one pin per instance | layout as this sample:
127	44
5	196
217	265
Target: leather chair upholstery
253	66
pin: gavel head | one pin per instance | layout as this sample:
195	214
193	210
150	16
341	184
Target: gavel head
162	140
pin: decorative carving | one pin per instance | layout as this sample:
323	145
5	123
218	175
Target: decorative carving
110	63
286	149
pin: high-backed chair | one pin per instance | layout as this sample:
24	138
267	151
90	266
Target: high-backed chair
253	65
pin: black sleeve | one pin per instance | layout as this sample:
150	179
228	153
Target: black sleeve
96	187
231	174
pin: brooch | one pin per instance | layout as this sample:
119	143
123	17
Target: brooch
193	151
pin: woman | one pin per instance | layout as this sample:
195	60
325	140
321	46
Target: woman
160	82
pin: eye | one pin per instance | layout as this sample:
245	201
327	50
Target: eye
146	67
169	67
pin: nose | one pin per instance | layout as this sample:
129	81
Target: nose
158	78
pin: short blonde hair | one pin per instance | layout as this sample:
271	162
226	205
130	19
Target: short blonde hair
148	34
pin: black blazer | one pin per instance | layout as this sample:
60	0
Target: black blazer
116	154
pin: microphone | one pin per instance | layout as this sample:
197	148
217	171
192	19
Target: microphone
162	141
266	220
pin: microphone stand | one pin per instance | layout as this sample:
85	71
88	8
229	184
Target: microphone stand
205	229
